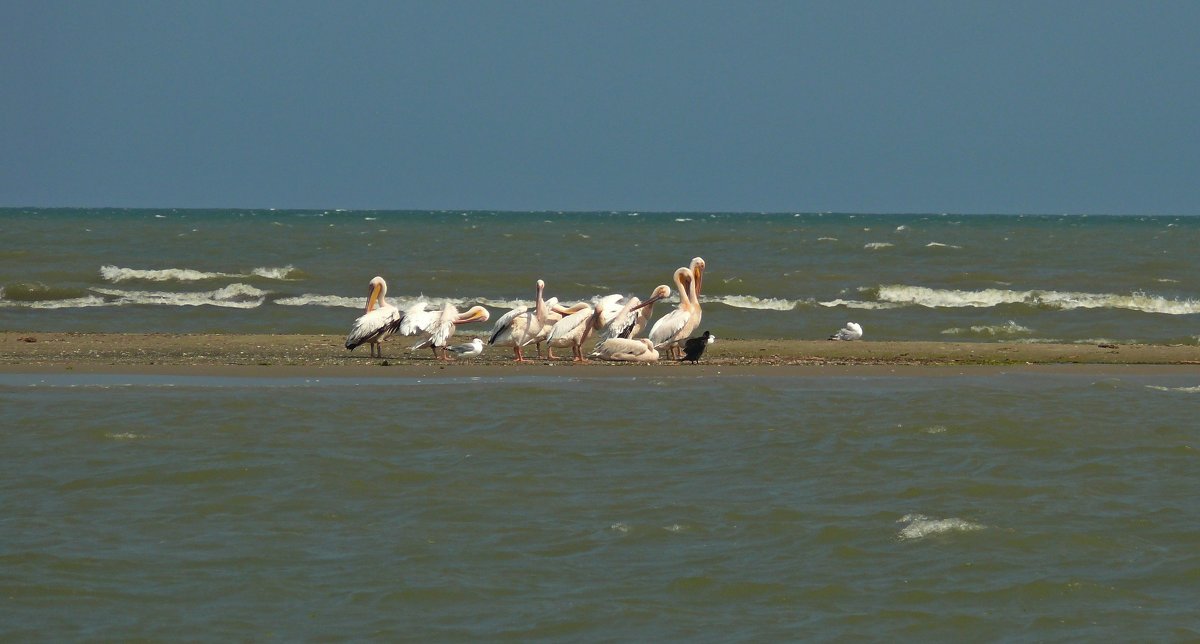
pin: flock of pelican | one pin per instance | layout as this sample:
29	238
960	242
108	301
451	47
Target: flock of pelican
615	320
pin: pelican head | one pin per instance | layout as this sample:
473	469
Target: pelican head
660	292
697	267
473	314
376	289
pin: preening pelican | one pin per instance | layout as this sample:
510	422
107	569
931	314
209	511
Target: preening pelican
378	323
852	331
521	326
576	326
624	349
445	325
634	315
674	327
467	350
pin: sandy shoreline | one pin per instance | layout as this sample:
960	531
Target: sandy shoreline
285	355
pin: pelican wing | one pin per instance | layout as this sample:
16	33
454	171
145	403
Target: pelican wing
374	326
567	326
418	320
621	323
505	323
668	328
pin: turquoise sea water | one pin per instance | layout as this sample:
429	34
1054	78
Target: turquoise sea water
1006	507
786	275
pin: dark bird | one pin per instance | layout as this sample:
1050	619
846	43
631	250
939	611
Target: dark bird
694	347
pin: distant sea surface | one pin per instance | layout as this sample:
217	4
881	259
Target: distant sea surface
787	275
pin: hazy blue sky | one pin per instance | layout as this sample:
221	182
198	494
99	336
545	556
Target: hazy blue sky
886	106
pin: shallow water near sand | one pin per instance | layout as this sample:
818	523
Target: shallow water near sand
1015	506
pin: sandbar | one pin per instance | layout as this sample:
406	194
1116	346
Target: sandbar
287	355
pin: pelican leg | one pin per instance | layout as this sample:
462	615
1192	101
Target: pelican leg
518	355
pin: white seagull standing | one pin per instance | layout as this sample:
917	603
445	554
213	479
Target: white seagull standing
378	323
852	331
469	350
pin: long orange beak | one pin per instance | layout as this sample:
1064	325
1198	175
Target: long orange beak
648	302
373	298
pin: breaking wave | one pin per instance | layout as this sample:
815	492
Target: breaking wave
1007	329
117	274
237	296
920	526
986	298
752	302
877	245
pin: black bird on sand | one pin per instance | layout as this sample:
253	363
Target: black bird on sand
694	347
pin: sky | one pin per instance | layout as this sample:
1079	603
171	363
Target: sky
914	106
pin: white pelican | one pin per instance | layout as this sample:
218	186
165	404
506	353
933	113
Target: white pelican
443	329
674	327
634	315
378	323
852	331
624	349
694	347
553	315
468	350
697	268
573	330
521	326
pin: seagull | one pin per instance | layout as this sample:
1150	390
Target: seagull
467	350
852	331
694	347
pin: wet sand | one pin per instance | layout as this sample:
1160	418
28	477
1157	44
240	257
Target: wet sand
287	355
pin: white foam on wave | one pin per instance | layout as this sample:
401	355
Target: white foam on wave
1008	328
986	298
920	526
752	302
312	299
859	304
236	296
116	274
1185	390
877	245
941	245
68	303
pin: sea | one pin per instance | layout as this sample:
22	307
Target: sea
943	505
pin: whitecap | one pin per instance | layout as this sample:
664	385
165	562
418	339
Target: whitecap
859	304
682	219
311	299
986	298
877	245
237	296
827	239
68	303
752	302
1185	390
920	526
1008	328
117	274
941	245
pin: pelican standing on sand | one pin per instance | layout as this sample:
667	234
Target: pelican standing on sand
674	327
625	350
443	329
378	323
521	326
